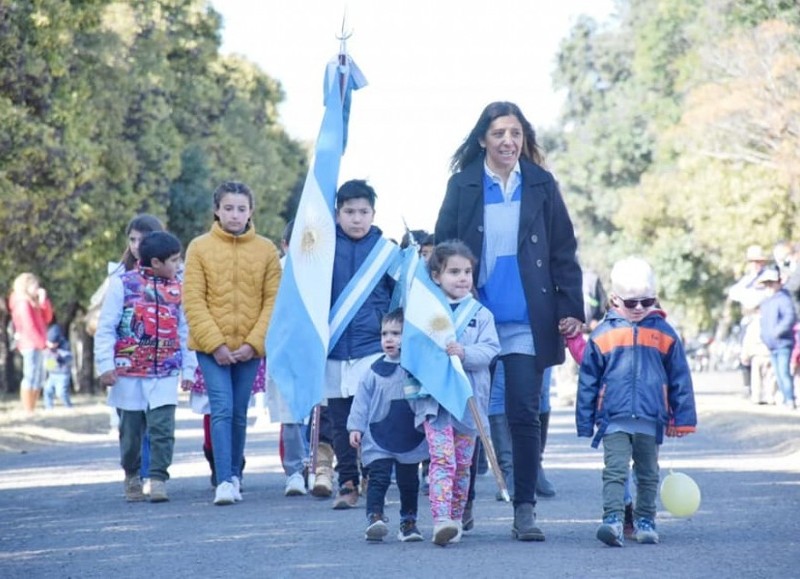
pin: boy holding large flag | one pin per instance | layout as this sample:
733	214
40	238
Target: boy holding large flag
361	293
300	336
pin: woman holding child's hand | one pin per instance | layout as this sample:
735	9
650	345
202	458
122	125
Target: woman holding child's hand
507	209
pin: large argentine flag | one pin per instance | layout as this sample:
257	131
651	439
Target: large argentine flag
427	330
298	336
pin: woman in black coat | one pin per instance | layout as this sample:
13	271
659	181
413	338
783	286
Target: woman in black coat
510	213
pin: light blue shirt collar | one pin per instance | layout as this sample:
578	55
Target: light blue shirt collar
513	179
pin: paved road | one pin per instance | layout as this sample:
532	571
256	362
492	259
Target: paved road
62	513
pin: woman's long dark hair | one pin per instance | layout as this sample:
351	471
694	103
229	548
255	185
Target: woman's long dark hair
471	148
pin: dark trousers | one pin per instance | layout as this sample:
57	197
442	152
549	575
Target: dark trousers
523	393
325	427
346	455
380	477
473	470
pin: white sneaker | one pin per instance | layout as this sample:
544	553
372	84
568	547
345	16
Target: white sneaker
457	538
295	485
237	489
444	531
146	486
158	491
224	494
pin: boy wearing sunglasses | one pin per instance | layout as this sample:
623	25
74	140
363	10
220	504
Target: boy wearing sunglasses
634	387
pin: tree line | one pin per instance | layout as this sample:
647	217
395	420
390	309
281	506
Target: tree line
109	109
680	140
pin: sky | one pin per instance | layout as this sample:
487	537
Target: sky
432	66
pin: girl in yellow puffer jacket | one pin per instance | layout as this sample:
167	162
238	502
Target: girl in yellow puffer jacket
231	280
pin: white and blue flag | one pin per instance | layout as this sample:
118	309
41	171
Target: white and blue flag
427	330
403	273
299	334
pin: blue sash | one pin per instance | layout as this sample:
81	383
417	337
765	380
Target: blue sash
357	290
464	313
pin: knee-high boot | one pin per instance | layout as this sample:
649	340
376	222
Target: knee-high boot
544	488
210	458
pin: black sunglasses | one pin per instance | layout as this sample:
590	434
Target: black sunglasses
644	302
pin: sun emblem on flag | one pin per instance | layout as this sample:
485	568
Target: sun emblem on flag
316	237
309	240
440	327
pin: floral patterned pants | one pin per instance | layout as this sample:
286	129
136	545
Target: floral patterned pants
448	476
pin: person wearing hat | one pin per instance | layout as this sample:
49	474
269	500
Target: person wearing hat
746	291
749	295
778	317
58	367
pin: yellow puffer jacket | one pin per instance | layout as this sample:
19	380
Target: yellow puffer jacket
229	289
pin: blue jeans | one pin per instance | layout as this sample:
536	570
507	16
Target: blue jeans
144	472
32	369
57	385
228	390
780	363
501	440
544	399
294	448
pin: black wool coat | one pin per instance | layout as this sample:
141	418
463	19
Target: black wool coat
551	274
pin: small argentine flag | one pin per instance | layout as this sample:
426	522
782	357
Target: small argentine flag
427	330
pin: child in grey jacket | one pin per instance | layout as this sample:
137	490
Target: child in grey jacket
381	424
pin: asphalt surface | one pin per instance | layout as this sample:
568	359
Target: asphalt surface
62	512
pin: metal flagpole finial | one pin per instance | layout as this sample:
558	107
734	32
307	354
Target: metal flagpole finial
411	239
344	35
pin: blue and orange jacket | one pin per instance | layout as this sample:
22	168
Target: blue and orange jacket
635	370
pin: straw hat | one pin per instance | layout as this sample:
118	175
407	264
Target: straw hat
756	253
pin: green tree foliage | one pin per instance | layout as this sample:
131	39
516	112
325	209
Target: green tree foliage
595	65
681	140
190	204
753	12
113	108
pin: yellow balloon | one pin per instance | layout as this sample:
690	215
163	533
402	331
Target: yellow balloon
680	495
